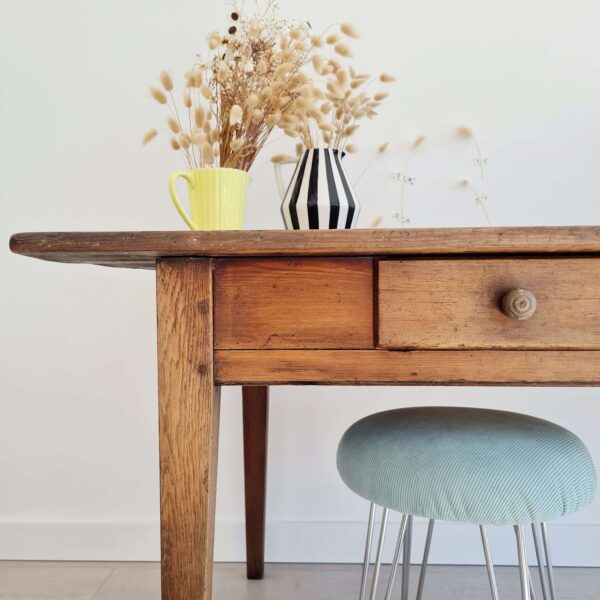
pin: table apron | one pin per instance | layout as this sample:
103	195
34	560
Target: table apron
383	367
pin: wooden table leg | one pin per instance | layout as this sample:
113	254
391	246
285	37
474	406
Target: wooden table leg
256	423
188	426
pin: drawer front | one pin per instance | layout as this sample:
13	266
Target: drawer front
453	304
267	303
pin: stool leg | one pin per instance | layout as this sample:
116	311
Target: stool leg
531	588
384	518
548	561
367	560
388	593
529	578
489	563
540	561
406	558
425	559
523	568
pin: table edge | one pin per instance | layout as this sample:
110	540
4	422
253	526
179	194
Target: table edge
142	249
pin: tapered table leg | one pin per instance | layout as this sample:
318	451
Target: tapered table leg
188	427
256	422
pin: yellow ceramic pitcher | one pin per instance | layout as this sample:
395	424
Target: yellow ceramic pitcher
217	198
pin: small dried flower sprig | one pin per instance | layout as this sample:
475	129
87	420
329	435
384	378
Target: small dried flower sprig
480	198
333	100
380	150
406	179
234	98
376	222
481	161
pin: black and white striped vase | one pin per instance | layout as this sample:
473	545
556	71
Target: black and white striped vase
319	195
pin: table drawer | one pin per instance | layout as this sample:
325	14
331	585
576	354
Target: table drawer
267	303
553	303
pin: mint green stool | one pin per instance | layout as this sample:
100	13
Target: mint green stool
485	467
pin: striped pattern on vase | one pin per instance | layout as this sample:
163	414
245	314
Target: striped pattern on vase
319	195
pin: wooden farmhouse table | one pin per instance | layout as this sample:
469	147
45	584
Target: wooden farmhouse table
517	306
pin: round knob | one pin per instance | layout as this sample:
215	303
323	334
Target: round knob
519	304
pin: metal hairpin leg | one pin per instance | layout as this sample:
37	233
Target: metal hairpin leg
532	593
404	543
489	563
384	518
523	568
401	533
540	561
406	558
548	561
531	588
425	558
367	560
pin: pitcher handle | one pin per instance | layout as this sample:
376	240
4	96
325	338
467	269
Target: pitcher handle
279	177
175	198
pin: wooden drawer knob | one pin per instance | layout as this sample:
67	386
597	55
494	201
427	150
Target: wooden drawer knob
519	304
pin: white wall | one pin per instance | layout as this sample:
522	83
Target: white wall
78	420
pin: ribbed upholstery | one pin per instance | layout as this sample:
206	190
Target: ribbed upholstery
471	465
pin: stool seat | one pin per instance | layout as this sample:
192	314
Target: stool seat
470	465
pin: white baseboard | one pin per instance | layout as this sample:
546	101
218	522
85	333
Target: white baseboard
80	540
287	541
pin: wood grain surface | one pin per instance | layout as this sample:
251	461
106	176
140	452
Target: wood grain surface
140	249
255	402
385	367
456	304
188	427
294	303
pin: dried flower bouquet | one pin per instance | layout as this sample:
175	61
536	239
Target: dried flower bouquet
234	97
334	99
255	78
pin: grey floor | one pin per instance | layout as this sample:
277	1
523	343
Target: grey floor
141	581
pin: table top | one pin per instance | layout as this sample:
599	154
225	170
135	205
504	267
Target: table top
140	249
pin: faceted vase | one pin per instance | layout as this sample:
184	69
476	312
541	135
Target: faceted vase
319	195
